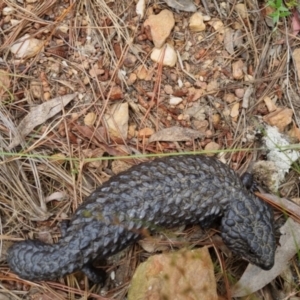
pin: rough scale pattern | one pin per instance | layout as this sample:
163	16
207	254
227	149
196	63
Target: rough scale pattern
166	192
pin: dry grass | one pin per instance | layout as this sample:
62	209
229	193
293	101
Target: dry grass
102	33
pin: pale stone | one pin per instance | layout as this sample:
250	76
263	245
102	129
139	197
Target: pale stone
212	146
142	73
169	58
132	79
235	110
270	104
175	100
237	69
26	47
280	118
140	8
160	26
90	119
7	11
241	9
36	89
217	25
196	22
145	132
206	18
229	98
117	120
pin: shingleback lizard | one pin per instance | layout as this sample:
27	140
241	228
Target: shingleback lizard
165	192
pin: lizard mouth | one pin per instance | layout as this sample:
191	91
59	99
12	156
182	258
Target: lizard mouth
267	267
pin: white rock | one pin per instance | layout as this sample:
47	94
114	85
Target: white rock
26	47
113	275
64	28
180	83
170	57
140	8
206	18
7	11
117	120
14	22
175	100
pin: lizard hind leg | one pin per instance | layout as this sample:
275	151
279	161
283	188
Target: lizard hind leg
94	274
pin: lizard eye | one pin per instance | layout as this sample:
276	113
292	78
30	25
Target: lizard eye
251	251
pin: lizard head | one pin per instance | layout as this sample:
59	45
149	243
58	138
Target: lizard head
247	229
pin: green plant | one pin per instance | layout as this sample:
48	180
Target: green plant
279	10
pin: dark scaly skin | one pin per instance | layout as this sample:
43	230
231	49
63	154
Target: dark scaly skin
166	192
